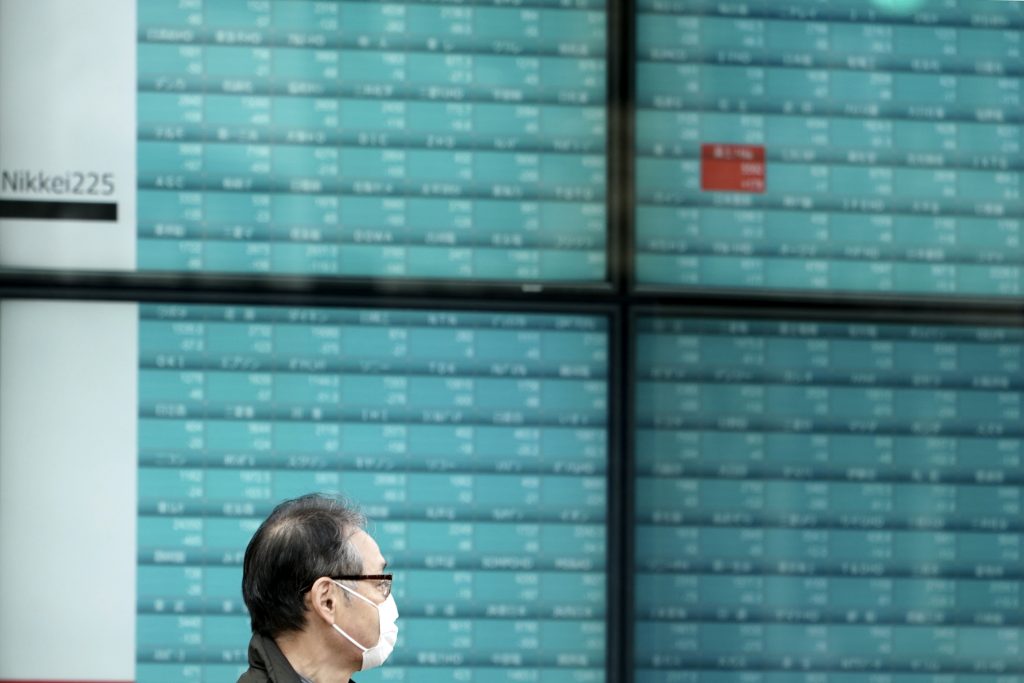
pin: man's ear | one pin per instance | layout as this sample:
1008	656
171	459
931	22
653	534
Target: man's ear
322	599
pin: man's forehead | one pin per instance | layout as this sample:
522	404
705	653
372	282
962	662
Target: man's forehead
369	549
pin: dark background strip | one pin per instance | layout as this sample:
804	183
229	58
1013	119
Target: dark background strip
58	210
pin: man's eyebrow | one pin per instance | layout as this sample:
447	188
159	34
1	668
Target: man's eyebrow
384	566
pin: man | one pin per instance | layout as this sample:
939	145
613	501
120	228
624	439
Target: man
319	601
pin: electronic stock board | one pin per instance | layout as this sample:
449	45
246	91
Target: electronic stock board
476	443
408	139
814	145
828	502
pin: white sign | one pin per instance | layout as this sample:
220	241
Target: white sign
67	131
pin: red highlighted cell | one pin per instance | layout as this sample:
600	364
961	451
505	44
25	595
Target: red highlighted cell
732	168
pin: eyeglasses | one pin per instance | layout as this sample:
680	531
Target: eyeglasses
383	581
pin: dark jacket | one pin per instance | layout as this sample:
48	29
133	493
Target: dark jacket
267	664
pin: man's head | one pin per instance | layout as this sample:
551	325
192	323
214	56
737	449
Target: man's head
301	541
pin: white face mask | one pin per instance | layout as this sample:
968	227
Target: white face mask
387	615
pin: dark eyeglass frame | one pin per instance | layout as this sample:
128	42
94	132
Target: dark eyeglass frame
361	577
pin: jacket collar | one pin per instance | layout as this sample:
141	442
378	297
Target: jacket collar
266	655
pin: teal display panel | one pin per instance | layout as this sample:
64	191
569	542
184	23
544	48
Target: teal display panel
476	443
445	140
828	502
804	146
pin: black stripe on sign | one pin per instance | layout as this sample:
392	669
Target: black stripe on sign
58	211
